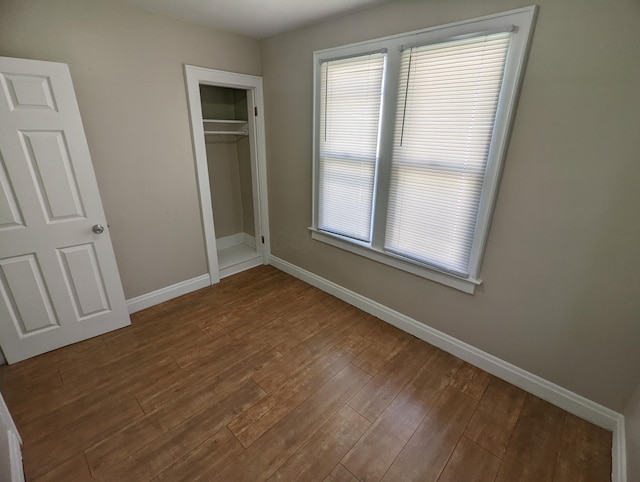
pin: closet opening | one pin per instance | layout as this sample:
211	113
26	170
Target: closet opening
228	139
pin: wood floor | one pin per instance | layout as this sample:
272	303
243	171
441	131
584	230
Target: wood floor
264	377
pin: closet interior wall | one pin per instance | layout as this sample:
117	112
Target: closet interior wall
230	176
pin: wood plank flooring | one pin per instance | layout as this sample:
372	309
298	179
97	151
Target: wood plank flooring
264	377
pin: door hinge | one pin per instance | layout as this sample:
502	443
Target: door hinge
262	238
255	111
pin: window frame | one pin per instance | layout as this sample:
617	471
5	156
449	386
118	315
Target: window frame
521	21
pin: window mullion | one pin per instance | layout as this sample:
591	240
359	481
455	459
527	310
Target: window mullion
387	129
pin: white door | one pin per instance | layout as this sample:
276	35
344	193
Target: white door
59	282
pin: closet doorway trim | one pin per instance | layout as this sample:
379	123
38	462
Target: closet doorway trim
194	77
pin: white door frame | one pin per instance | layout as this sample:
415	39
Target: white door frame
253	85
10	454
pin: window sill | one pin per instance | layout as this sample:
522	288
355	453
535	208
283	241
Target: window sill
467	285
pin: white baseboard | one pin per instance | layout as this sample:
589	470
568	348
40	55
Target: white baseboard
168	293
234	240
619	452
555	394
238	267
228	241
248	240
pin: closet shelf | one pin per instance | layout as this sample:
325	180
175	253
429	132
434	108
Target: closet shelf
224	121
223	127
226	133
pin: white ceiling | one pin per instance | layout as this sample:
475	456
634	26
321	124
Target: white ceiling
253	18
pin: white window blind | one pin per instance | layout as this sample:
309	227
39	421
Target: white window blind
447	101
350	105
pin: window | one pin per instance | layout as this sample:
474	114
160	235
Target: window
409	136
350	101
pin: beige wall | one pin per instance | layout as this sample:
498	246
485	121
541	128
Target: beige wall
246	185
127	68
224	179
561	292
229	162
632	415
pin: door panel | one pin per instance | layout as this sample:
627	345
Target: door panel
29	91
59	279
52	174
25	295
87	292
9	212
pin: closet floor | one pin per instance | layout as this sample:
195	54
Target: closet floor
236	254
265	377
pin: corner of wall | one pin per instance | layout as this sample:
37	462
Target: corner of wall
631	436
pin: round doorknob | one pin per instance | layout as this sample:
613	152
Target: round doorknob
98	228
